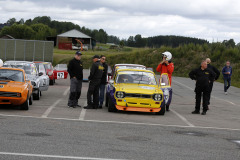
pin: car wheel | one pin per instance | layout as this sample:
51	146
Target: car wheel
106	102
162	111
51	82
25	105
37	96
31	100
111	106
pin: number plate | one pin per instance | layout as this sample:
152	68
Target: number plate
60	75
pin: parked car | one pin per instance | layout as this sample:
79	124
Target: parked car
39	82
60	71
49	71
135	90
15	89
43	73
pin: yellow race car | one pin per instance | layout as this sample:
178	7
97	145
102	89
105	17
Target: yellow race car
135	90
14	88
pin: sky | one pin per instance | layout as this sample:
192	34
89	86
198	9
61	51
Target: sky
213	20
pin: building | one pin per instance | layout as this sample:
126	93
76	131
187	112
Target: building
7	37
68	40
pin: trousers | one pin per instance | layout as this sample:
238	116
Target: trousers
75	91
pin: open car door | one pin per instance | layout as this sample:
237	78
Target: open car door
164	83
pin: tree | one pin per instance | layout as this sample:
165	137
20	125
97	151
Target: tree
122	44
11	21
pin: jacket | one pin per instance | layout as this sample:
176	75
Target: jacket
227	69
163	68
104	75
202	77
215	70
75	69
96	71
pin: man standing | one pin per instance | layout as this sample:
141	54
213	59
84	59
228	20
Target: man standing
166	66
103	80
95	81
75	70
227	73
203	77
217	73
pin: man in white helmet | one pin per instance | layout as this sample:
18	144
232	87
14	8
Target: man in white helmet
166	65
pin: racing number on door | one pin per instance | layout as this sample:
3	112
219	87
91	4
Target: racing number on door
60	75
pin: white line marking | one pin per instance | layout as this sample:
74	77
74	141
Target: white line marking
183	118
83	112
46	113
211	96
237	142
66	91
119	122
52	156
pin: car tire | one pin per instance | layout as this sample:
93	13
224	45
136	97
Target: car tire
162	111
106	102
51	82
37	96
111	106
25	105
31	100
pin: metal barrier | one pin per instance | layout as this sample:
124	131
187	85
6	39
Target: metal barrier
26	50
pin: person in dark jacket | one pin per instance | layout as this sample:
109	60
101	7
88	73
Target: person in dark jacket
75	70
95	81
103	80
217	73
203	77
227	74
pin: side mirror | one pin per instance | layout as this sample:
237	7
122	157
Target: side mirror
40	74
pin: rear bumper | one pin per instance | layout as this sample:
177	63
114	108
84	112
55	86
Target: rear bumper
12	100
137	109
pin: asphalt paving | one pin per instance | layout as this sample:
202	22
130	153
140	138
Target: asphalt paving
51	130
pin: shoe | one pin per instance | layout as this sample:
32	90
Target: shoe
167	108
204	113
226	93
78	105
72	106
195	112
207	108
89	107
100	106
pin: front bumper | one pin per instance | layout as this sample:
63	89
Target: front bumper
137	109
12	100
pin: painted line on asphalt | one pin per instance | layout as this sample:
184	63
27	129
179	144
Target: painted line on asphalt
47	112
83	112
66	91
53	156
211	96
182	118
120	122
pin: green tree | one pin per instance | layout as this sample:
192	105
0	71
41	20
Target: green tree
11	21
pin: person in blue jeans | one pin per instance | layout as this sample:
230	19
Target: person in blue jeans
103	80
227	73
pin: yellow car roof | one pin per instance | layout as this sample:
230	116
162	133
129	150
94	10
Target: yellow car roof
136	70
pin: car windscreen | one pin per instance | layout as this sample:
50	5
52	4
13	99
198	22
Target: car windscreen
12	75
47	66
61	67
136	77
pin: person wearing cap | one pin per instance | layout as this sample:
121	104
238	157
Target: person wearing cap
75	70
217	73
103	80
95	81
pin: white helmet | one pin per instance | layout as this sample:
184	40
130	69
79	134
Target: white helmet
168	55
1	63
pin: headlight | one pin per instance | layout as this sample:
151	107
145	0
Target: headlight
157	97
50	73
120	94
33	83
18	94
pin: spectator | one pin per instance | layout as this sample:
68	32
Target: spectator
103	80
227	74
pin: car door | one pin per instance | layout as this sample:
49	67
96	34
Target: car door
44	77
166	88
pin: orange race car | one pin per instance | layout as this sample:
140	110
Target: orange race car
15	89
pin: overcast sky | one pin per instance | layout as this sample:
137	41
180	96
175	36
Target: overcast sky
214	20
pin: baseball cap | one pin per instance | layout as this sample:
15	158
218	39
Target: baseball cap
78	53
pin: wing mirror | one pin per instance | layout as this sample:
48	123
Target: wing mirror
40	74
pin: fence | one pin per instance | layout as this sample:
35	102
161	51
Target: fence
26	50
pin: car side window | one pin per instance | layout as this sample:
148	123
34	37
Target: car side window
34	70
164	80
42	69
